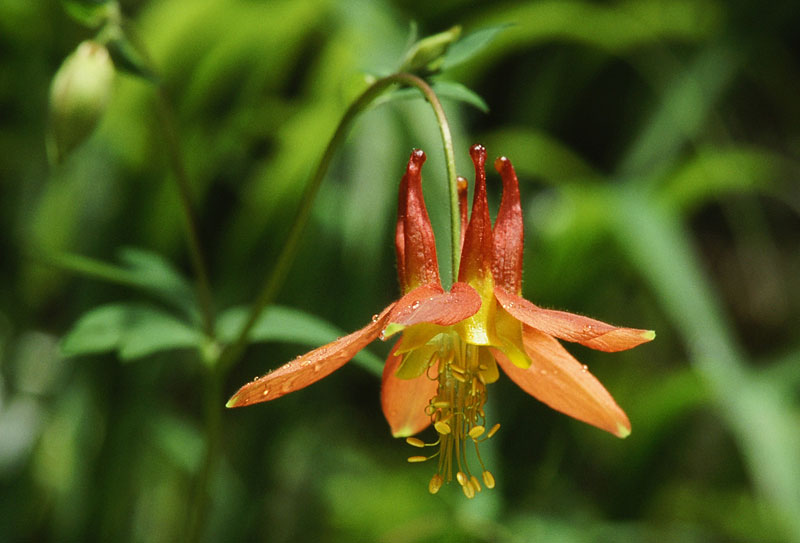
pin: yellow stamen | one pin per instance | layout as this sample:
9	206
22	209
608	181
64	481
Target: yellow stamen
488	479
475	484
477	431
414	459
435	484
415	442
442	427
493	431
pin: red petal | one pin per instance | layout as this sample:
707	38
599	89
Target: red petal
558	380
570	327
508	232
414	239
404	400
310	367
430	303
463	188
476	255
399	235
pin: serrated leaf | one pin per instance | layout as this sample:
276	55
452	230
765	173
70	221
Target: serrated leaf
284	324
134	331
466	48
457	91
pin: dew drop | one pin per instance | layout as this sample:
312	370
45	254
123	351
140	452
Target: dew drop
375	318
266	391
543	372
584	368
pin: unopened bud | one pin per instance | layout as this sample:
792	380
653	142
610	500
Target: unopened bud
427	55
79	94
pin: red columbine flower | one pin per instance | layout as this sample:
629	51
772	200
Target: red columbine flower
452	342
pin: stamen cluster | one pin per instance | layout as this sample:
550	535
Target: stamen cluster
456	412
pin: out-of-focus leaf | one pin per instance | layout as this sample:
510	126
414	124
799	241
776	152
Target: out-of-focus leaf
759	414
91	13
685	107
288	325
181	440
156	274
127	58
715	172
443	89
134	331
457	91
538	154
469	46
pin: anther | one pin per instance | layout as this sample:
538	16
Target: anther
461	477
493	431
476	432
469	492
415	442
440	404
435	484
488	479
414	459
473	481
442	427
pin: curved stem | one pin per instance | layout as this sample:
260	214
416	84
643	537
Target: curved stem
203	285
286	257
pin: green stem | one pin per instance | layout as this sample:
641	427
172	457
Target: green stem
202	283
286	257
212	400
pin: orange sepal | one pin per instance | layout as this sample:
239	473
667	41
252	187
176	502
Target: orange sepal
571	327
404	400
309	368
560	381
508	232
431	304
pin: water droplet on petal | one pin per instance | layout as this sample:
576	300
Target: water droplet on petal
375	318
584	368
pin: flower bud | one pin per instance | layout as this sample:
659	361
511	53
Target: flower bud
427	55
79	94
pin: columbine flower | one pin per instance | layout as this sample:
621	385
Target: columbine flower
452	342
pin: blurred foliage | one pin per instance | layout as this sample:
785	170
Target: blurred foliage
657	145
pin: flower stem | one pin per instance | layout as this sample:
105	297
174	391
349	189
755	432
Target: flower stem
202	283
286	257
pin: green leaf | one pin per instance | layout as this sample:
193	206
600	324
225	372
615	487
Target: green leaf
284	324
134	331
91	13
457	91
154	273
128	59
466	48
713	173
444	89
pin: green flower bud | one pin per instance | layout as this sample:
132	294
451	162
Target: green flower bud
426	56
79	94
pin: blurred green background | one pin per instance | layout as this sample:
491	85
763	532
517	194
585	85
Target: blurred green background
657	146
